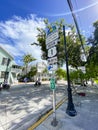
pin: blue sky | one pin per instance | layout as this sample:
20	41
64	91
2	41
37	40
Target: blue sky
19	19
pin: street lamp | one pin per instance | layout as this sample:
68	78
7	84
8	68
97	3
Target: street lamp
70	108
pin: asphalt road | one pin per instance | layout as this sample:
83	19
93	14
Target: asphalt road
22	102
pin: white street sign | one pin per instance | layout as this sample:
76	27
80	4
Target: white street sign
83	57
52	40
52	60
51	44
54	67
52	52
51	37
82	68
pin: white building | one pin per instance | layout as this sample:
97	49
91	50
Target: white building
8	68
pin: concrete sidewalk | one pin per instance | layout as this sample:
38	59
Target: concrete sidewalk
86	118
20	108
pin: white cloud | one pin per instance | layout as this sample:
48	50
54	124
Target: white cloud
17	33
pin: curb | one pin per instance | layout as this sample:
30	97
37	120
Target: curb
45	115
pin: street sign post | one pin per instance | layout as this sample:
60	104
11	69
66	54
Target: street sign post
52	38
54	121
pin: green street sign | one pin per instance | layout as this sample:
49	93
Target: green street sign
52	83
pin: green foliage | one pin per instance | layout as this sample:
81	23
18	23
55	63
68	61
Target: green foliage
45	70
72	41
30	74
95	24
92	70
77	76
73	75
32	71
96	81
27	59
93	41
60	73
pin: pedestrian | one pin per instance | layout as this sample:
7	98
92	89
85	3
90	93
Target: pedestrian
38	82
25	79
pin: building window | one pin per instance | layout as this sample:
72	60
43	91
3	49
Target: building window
2	74
4	61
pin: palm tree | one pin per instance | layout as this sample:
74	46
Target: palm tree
27	59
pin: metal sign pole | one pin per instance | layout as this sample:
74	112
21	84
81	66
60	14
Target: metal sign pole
54	121
52	38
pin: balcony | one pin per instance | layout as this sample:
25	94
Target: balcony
16	69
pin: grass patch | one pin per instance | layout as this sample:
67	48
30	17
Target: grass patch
96	80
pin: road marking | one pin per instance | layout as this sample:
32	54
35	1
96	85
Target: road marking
36	124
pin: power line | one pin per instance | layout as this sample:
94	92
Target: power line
76	24
77	12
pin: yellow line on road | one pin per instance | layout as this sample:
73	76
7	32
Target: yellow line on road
36	124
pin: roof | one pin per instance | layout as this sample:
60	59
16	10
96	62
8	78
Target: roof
6	52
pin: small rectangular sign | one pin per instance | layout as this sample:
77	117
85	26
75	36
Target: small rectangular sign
52	44
53	36
54	67
82	68
52	60
52	83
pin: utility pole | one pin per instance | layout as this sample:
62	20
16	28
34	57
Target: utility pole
70	108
